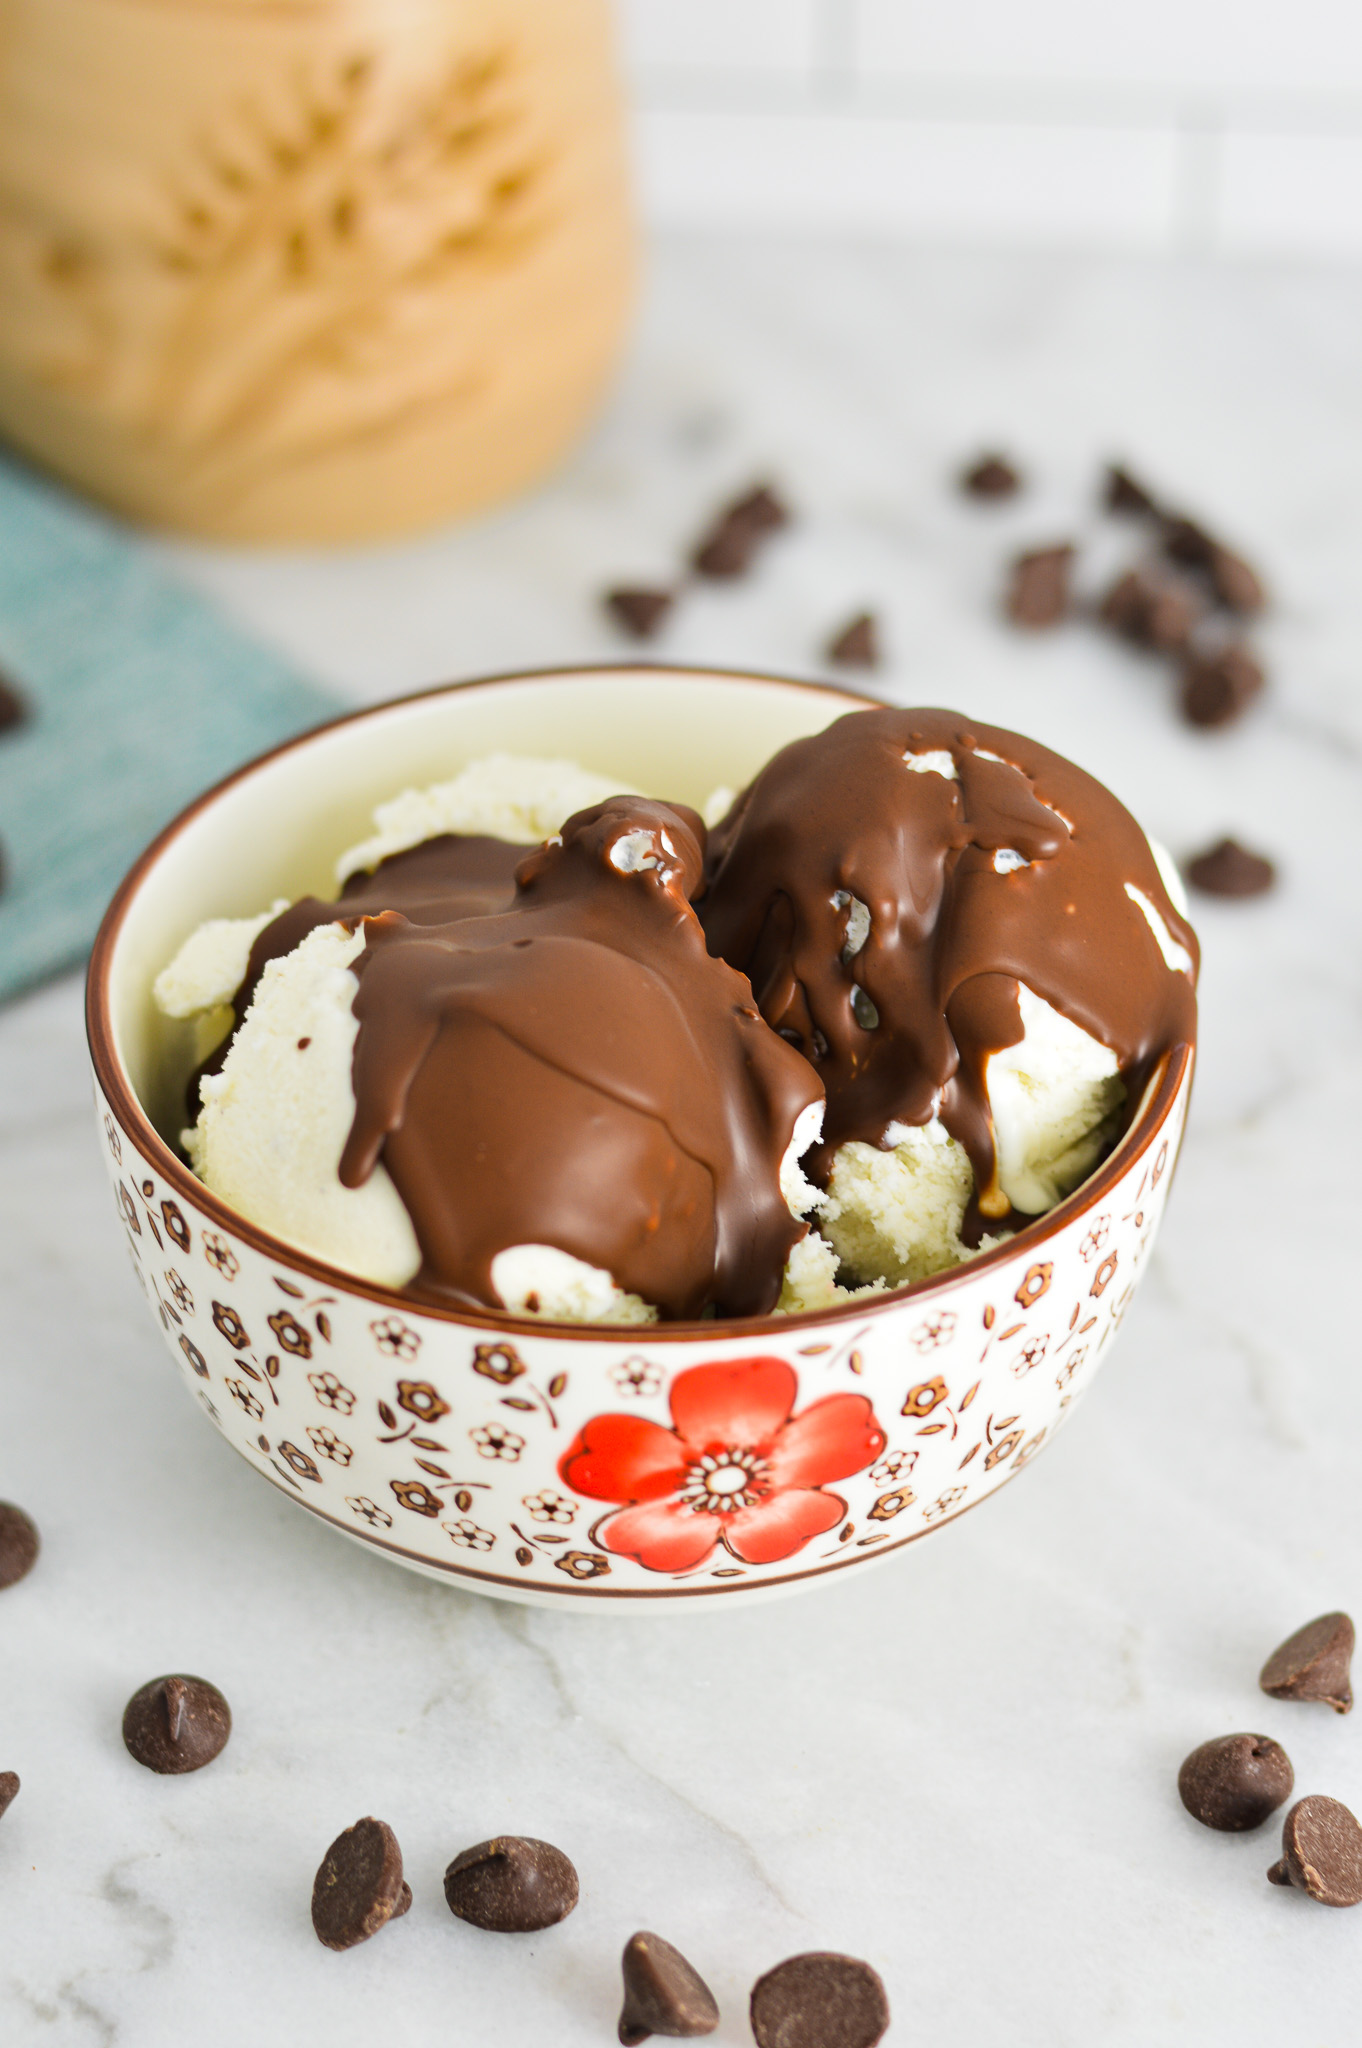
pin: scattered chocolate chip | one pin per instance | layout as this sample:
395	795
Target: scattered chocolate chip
727	547
1039	592
1218	688
1238	586
857	645
14	709
1123	495
19	1544
9	1789
819	2001
177	1723
1229	869
1150	611
511	1885
359	1886
640	612
1321	1852
1234	1782
663	1994
1233	583
1314	1664
992	476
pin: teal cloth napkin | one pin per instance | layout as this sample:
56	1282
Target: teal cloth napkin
140	695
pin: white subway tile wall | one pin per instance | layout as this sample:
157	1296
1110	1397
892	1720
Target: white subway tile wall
1205	125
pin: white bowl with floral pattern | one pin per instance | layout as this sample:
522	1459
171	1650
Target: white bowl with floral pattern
654	1466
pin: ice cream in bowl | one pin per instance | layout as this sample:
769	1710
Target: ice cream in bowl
638	1135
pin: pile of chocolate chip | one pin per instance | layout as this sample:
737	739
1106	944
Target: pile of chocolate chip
1187	599
1235	1782
512	1884
726	550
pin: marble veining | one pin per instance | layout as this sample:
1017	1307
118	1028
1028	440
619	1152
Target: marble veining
960	1766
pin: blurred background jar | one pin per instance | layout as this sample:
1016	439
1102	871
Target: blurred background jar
307	270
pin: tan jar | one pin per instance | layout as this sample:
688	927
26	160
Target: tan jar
307	270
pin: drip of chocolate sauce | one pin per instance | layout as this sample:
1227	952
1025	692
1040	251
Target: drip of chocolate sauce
548	1054
901	1027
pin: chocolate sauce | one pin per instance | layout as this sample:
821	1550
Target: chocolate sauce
899	1018
578	1071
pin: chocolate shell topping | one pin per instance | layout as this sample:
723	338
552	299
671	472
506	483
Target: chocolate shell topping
558	1060
886	916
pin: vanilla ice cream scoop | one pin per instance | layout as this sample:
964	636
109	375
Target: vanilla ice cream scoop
974	945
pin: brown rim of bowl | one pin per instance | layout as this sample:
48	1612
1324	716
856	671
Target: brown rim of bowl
122	1099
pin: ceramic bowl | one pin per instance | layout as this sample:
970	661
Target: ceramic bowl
452	1441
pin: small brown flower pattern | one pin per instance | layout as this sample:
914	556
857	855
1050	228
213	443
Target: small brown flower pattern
1095	1239
195	1356
228	1324
420	1399
1030	1355
416	1496
583	1564
499	1362
636	1376
468	1535
1035	1283
290	1333
1104	1275
331	1393
1070	1366
179	1292
944	1503
128	1210
394	1338
244	1398
115	1140
300	1462
368	1511
494	1440
890	1504
550	1507
177	1230
893	1465
327	1444
935	1331
220	1255
923	1398
1004	1448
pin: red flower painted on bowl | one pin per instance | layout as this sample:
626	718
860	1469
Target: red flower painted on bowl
737	1467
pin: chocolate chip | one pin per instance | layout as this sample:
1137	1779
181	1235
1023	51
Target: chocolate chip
1150	611
511	1885
1229	869
727	547
992	476
1238	586
14	709
1321	1852
359	1886
1039	591
19	1544
663	1994
1219	688
1232	581
177	1723
1233	1782
9	1789
1314	1664
857	645
819	2001
1123	495
640	612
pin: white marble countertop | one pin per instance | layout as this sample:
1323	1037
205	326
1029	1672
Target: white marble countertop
960	1766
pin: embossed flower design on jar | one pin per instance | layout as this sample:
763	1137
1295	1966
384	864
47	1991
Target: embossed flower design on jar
420	1399
327	1444
550	1507
738	1467
228	1324
468	1535
394	1338
220	1255
290	1333
368	1511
